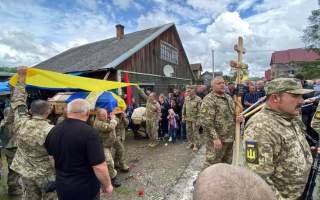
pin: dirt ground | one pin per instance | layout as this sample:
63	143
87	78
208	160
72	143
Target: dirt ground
153	171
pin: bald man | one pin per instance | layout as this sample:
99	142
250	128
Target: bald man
78	156
107	131
217	116
227	182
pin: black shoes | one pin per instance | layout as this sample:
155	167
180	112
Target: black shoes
115	182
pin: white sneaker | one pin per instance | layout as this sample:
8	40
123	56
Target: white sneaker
170	139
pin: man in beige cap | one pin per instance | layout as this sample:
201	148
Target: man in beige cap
275	143
190	115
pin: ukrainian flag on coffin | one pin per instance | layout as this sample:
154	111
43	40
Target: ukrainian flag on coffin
106	100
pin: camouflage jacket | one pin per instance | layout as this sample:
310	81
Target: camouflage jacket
191	109
107	131
315	123
276	149
31	159
121	127
153	109
217	116
6	127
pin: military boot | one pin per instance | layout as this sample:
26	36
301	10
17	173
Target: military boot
115	183
151	144
124	167
190	146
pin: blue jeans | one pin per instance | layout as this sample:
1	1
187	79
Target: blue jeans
173	134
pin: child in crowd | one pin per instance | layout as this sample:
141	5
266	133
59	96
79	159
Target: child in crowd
172	125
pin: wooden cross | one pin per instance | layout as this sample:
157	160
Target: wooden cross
239	66
240	50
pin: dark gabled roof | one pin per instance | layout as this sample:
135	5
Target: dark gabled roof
102	54
196	66
206	73
294	55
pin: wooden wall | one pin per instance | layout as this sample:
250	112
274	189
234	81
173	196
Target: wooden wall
147	60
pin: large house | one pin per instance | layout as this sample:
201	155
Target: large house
154	58
197	69
289	62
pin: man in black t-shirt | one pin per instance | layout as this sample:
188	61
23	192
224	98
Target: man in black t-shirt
78	156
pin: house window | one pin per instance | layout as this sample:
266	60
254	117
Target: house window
290	71
168	53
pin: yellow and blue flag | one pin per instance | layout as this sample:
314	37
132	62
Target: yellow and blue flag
106	100
53	80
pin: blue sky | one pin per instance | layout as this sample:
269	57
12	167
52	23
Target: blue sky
35	30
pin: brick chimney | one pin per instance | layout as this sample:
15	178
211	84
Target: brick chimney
120	31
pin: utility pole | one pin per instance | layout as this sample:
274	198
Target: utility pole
213	62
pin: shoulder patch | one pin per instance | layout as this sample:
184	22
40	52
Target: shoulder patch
252	153
317	115
22	109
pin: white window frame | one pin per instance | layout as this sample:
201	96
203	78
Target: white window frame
169	53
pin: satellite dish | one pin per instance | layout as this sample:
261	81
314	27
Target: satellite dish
168	70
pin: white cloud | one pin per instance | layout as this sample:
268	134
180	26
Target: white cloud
278	27
155	19
30	33
204	21
212	7
123	4
221	36
246	4
91	4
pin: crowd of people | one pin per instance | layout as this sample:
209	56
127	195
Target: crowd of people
73	159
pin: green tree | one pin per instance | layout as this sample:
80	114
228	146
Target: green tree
311	35
8	69
311	70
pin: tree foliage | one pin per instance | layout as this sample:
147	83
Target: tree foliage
311	35
8	69
311	70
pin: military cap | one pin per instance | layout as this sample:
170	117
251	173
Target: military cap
288	85
117	110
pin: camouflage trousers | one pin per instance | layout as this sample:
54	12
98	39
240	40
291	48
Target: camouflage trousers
110	162
152	126
214	156
34	189
193	133
14	187
120	153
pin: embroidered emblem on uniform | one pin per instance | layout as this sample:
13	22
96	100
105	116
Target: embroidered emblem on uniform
252	155
317	115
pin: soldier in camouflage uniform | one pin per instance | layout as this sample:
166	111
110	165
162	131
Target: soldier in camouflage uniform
120	156
218	121
153	115
190	115
31	160
106	130
14	188
275	143
315	124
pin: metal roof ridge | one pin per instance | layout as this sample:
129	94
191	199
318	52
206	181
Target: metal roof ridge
137	47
